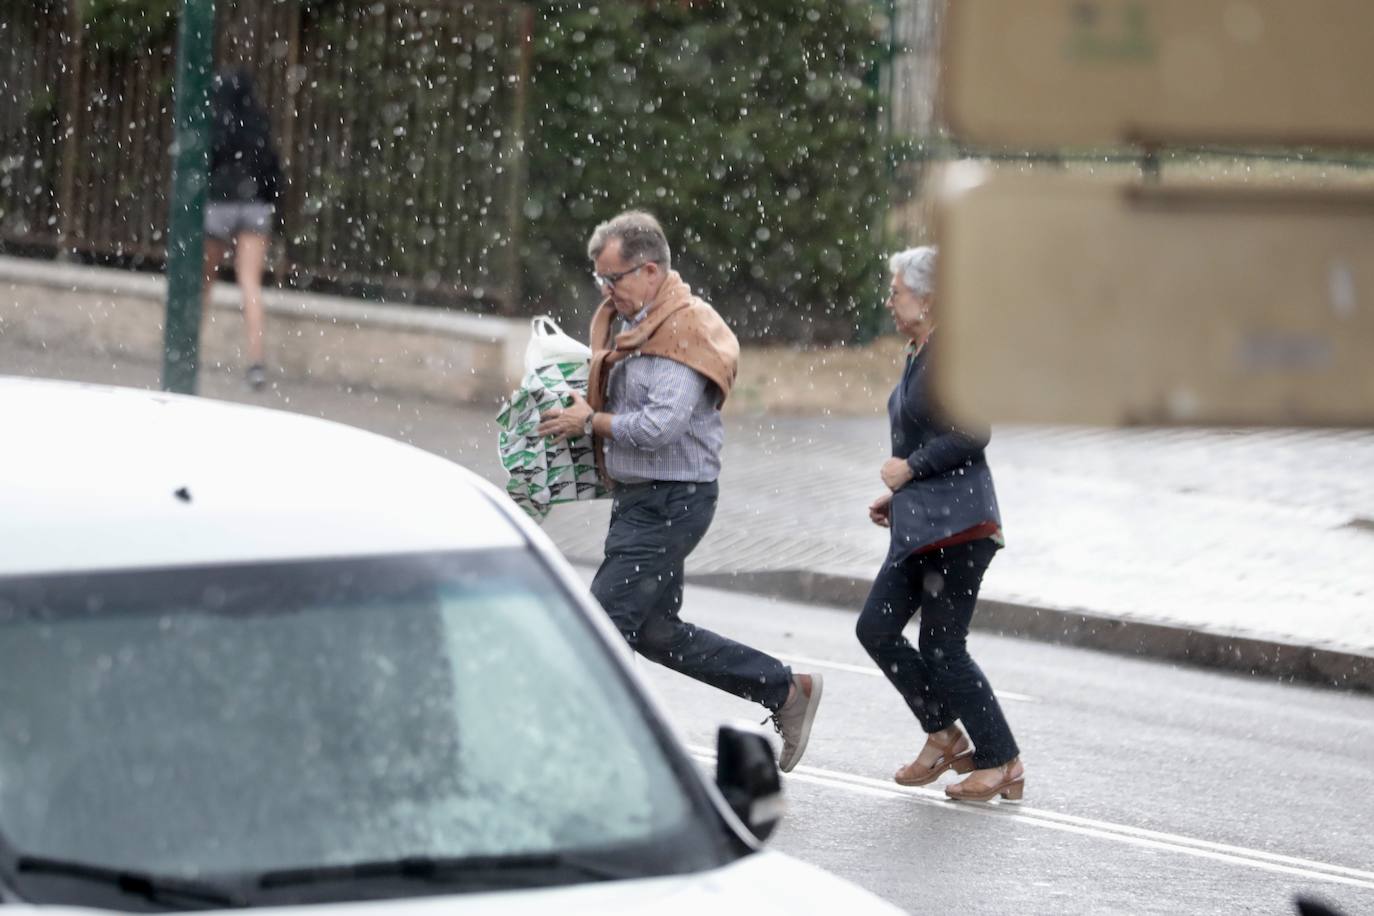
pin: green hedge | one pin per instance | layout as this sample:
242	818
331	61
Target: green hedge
748	129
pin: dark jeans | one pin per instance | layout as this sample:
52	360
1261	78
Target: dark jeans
938	679
654	526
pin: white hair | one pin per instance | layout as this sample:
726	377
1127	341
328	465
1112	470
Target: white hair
916	268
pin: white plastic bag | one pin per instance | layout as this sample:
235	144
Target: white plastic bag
548	345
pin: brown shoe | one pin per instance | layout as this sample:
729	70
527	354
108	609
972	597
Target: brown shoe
1008	781
956	755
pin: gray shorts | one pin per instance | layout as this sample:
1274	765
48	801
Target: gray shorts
225	219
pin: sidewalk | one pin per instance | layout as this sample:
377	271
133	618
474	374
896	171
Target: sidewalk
1244	550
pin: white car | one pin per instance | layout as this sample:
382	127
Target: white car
249	658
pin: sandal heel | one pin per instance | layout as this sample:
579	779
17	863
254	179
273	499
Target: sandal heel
1014	791
917	774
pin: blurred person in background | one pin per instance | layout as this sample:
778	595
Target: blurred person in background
245	182
942	512
663	363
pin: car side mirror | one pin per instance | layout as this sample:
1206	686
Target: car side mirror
748	777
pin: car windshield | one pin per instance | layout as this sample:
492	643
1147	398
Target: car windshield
255	720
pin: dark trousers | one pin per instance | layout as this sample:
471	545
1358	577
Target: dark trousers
654	526
938	679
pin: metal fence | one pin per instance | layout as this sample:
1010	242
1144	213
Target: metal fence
399	122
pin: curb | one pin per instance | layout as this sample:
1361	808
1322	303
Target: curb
1199	648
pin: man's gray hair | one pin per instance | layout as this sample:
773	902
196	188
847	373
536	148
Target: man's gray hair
641	239
916	268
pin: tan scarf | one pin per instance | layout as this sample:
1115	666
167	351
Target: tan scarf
678	326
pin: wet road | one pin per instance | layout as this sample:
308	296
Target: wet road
1150	789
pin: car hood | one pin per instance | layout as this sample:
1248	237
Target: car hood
759	884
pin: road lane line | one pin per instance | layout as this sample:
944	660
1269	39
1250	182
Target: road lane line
870	671
1068	823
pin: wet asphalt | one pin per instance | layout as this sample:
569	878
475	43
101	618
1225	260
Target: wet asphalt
1149	788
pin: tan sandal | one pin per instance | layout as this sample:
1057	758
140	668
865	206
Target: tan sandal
957	756
1008	781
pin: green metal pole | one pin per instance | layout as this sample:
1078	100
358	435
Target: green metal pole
190	174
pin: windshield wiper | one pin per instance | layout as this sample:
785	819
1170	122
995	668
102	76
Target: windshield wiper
153	888
503	871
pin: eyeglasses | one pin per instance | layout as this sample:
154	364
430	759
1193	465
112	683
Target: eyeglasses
608	281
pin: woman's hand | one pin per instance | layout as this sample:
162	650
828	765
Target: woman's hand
896	473
880	511
565	422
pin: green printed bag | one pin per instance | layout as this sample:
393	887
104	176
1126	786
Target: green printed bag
543	472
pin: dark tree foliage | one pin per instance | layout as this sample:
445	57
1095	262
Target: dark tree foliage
129	25
748	129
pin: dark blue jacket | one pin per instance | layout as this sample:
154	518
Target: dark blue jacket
952	490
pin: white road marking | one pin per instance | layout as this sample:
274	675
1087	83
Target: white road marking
870	671
1068	823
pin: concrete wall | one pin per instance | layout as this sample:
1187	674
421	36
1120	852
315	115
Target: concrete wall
445	355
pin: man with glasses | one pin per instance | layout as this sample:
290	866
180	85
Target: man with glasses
663	363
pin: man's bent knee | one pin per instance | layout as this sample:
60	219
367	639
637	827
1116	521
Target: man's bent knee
629	629
612	603
660	640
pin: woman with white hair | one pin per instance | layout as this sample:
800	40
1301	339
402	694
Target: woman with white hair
942	511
